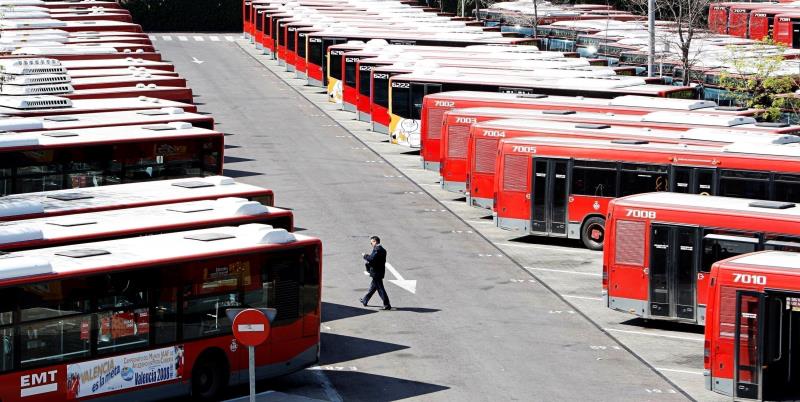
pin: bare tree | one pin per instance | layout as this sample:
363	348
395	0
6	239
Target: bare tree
688	17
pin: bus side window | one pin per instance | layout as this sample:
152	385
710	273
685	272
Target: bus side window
597	179
123	315
719	245
6	330
786	188
637	179
55	322
742	184
782	243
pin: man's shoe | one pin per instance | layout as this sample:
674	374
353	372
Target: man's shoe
363	303
386	308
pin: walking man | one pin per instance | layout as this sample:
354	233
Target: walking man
376	267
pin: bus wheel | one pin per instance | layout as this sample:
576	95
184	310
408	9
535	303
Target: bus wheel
209	376
593	233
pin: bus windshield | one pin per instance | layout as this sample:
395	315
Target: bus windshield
380	82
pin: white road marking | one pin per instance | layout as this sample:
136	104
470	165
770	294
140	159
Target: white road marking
327	387
166	37
229	38
199	38
582	297
407	284
196	61
182	38
563	271
683	338
152	38
679	371
214	38
541	247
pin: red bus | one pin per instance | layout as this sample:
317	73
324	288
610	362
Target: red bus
128	222
77	316
561	186
318	43
469	68
50	105
435	105
132	195
762	22
784	31
751	333
91	120
407	92
739	18
53	160
718	17
177	94
459	142
661	246
358	65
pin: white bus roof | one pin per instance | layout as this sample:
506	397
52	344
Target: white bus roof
588	84
53	105
88	136
135	220
87	120
715	135
631	101
728	205
65	202
768	259
90	258
116	63
738	148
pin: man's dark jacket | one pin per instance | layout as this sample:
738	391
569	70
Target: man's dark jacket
376	262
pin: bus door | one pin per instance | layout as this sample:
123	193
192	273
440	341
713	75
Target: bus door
674	258
781	346
550	194
693	180
747	345
795	34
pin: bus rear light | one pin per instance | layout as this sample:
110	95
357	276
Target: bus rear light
706	353
605	277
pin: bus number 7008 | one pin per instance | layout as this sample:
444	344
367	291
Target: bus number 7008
640	213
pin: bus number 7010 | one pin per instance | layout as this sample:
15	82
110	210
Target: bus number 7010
750	279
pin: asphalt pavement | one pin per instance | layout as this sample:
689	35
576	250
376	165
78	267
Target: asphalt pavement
493	317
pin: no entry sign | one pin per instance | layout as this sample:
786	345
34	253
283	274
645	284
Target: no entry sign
251	327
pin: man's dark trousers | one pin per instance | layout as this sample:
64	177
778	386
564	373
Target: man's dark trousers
377	284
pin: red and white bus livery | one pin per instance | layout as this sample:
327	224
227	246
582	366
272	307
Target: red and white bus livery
129	222
435	105
660	246
458	142
562	186
751	332
44	204
145	317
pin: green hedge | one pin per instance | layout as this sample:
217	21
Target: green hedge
186	15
